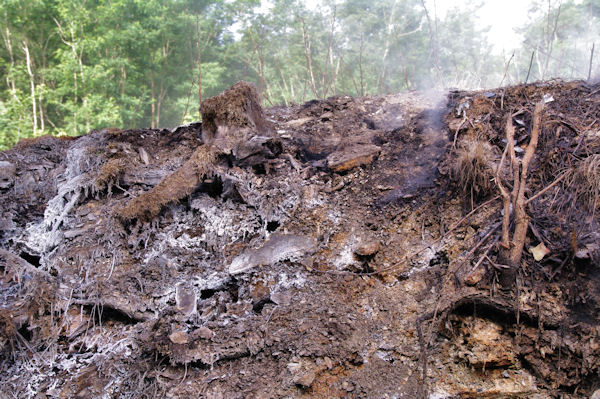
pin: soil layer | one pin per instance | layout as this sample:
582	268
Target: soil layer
363	258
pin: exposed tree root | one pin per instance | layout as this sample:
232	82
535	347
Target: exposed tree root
173	188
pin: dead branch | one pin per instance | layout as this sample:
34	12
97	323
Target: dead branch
512	249
530	64
505	195
521	217
591	60
554	183
457	130
484	256
483	240
467	257
506	69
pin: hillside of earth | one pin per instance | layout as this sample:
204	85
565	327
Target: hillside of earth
414	245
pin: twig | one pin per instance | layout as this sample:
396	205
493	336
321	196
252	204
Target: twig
271	314
530	64
484	256
122	189
591	59
461	221
497	266
564	262
594	92
458	129
517	308
136	108
554	183
24	341
505	199
506	69
187	104
112	267
476	247
293	162
537	234
184	375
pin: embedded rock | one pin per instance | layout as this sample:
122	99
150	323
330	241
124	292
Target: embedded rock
7	174
278	248
368	248
351	157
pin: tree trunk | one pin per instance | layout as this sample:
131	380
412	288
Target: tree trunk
285	89
10	82
79	59
153	101
335	76
161	97
40	106
258	49
32	86
328	71
123	79
307	53
162	92
386	48
512	250
434	41
550	37
292	87
360	64
199	62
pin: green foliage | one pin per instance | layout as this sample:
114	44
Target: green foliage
559	39
72	66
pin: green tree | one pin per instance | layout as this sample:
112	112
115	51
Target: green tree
71	66
560	39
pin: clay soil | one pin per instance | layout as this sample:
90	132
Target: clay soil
363	260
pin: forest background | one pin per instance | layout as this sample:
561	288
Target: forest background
69	66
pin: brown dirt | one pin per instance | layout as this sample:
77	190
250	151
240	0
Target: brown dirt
290	276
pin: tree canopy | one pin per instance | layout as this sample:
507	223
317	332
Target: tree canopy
72	66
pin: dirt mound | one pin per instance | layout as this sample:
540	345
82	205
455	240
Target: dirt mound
362	252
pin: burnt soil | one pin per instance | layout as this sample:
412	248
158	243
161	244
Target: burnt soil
362	261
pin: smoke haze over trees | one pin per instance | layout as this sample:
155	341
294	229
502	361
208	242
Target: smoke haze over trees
71	66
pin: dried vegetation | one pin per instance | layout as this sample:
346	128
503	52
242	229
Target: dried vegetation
584	177
473	167
110	174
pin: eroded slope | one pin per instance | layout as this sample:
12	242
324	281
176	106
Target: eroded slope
343	267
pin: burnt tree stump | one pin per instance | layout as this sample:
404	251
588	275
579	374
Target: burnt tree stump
234	122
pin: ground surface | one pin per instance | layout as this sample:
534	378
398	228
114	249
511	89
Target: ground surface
344	267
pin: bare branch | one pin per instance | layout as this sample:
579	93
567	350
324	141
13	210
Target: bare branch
505	200
521	217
